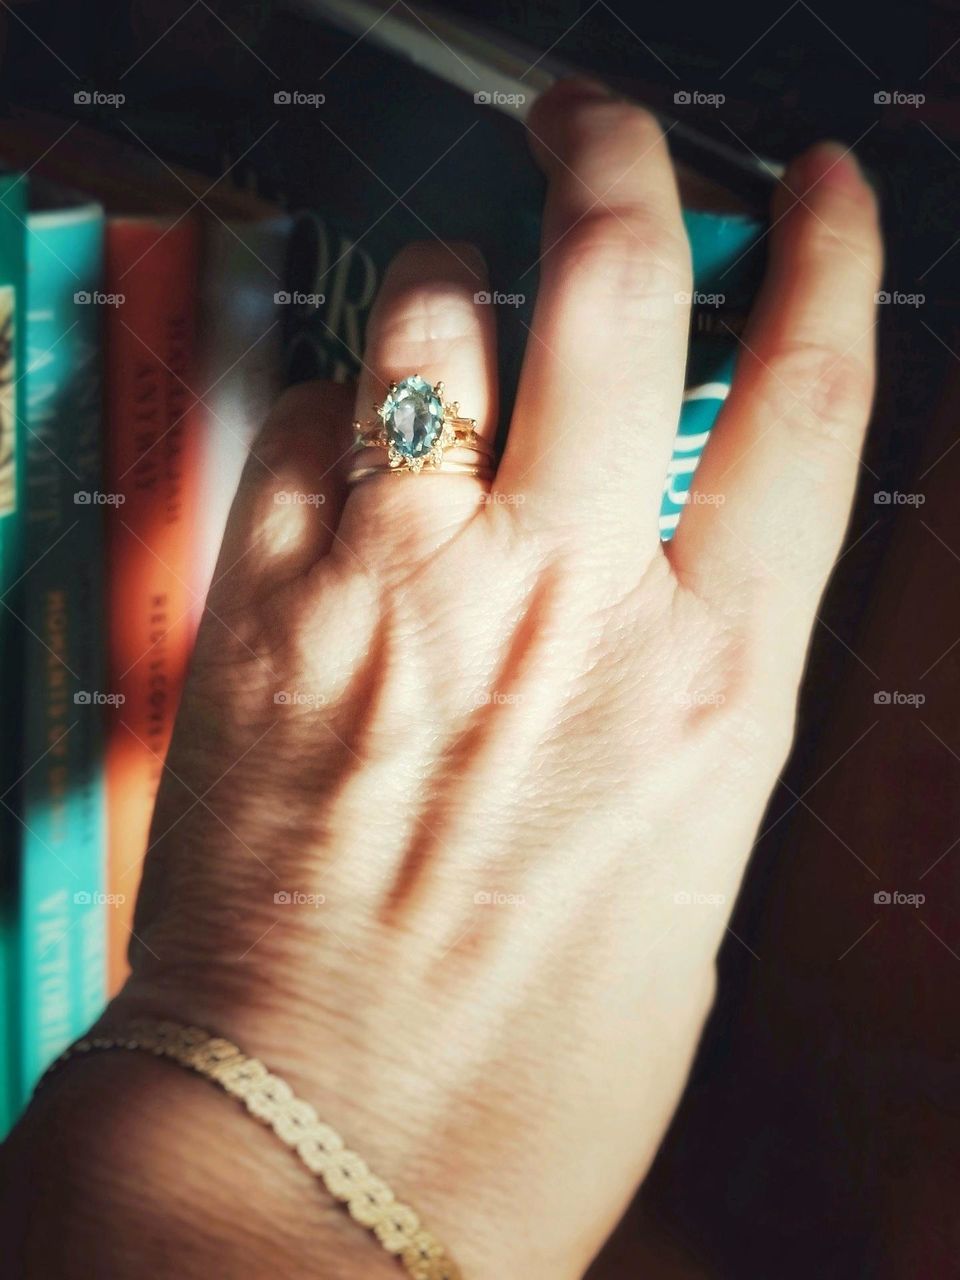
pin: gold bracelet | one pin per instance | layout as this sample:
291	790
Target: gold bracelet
271	1100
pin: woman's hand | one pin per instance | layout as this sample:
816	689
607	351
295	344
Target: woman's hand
464	782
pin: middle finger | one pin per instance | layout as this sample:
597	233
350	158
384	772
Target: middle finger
602	382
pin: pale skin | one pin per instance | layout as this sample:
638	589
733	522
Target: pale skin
507	690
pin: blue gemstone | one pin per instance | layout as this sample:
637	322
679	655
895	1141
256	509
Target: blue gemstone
413	417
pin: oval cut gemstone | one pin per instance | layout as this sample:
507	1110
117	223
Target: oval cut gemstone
413	417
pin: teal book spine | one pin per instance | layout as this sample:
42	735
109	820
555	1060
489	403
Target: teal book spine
12	566
63	839
726	251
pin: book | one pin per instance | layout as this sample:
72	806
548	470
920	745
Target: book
62	897
241	359
177	427
12	567
151	458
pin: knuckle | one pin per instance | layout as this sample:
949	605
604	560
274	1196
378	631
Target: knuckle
851	242
830	393
631	255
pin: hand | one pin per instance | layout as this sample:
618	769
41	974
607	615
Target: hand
519	728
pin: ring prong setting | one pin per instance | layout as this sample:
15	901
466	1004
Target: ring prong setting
415	427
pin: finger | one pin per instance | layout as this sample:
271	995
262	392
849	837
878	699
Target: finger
780	468
288	503
602	381
426	320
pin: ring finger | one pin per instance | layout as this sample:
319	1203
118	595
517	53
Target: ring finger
426	321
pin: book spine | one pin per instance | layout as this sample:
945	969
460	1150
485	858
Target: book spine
243	308
151	473
726	274
12	567
62	927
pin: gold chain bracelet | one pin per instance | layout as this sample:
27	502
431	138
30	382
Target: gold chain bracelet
368	1199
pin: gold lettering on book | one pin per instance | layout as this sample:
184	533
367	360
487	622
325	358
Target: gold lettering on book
8	415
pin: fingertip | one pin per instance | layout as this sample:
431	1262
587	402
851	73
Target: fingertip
446	260
829	168
553	107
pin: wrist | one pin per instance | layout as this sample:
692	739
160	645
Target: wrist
133	1165
422	1150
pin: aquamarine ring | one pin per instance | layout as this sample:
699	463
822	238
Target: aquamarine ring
417	426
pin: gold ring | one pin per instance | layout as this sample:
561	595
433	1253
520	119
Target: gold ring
450	468
417	426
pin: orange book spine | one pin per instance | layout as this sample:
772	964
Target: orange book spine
151	465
